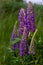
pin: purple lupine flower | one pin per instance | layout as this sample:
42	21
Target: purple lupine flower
32	48
15	46
26	22
14	35
21	20
24	44
30	16
32	22
26	18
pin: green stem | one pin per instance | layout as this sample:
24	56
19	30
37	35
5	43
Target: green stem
34	35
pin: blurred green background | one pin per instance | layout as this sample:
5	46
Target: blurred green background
9	10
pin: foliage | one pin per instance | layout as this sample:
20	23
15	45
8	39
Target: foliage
8	15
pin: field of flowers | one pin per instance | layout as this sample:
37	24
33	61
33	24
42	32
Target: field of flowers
9	12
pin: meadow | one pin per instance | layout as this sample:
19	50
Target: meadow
9	11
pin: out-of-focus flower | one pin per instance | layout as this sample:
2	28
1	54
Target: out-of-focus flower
32	48
15	46
24	44
14	33
14	36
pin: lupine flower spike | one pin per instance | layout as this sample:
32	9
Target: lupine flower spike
32	46
21	20
24	44
31	17
30	12
14	35
26	22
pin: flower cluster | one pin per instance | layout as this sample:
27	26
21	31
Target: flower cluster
26	18
26	25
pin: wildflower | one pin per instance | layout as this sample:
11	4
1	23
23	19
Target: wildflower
21	20
14	33
32	48
13	37
26	22
30	16
15	46
24	44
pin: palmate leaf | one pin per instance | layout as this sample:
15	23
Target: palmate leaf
16	40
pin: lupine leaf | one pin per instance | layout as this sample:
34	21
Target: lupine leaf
16	40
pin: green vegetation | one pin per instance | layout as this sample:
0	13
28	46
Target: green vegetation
8	16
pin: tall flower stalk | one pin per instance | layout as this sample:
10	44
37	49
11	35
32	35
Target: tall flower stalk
26	22
27	19
31	17
14	33
24	44
32	46
21	20
14	36
30	12
26	25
